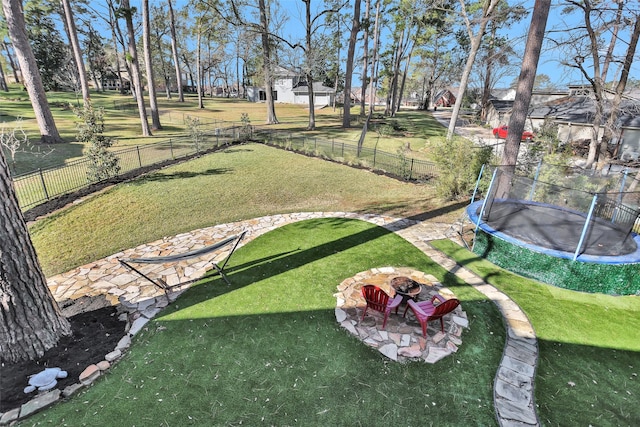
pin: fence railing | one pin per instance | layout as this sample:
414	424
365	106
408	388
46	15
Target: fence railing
45	184
393	164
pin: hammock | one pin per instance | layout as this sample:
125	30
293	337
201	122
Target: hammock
232	240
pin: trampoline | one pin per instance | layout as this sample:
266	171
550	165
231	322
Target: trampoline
560	236
557	231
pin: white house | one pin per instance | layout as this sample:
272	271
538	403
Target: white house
291	88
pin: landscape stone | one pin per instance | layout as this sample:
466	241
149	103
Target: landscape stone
40	402
90	373
114	355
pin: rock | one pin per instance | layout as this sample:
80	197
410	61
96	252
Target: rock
137	325
124	343
114	355
103	365
9	416
71	390
341	316
89	374
390	350
41	401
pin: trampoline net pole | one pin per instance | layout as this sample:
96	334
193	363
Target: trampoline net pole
484	204
585	229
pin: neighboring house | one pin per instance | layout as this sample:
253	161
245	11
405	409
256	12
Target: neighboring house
290	87
573	112
110	81
444	98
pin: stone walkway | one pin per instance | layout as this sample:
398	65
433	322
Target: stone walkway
513	384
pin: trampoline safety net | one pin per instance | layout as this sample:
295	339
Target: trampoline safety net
563	217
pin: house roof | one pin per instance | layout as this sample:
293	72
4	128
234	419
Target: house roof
577	109
318	87
279	71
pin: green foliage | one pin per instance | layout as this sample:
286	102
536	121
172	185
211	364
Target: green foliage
459	163
50	51
245	131
104	164
195	131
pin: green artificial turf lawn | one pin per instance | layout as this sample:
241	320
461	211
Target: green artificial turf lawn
589	347
267	350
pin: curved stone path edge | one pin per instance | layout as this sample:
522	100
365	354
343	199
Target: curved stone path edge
513	392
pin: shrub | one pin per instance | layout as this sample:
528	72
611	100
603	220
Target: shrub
104	164
459	162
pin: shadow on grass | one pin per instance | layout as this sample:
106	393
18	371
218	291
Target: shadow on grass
160	177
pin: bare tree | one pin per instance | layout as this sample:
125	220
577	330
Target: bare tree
77	51
355	29
486	15
174	51
31	76
148	63
127	11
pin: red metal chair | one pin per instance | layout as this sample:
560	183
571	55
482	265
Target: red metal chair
426	311
379	300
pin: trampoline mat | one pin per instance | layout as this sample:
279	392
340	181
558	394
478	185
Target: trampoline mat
558	229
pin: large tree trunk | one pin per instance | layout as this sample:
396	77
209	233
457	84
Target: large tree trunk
77	52
174	52
135	68
30	320
523	92
30	75
355	28
266	66
148	63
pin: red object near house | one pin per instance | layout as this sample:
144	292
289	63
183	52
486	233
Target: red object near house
502	131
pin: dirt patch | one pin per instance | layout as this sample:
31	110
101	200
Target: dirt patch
96	330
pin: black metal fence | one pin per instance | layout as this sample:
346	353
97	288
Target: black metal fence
45	184
398	165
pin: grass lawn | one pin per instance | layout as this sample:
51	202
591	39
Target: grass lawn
267	350
589	347
240	183
412	127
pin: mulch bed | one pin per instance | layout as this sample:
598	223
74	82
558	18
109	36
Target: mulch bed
95	333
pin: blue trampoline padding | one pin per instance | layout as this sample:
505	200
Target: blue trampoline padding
632	257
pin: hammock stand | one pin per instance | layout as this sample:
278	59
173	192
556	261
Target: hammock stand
233	241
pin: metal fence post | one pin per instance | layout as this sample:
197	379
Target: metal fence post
411	170
173	157
139	158
375	150
44	186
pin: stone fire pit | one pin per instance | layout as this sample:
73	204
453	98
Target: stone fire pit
402	339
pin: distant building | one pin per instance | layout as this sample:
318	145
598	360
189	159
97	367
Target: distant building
290	87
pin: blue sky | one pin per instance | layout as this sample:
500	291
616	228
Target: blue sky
550	58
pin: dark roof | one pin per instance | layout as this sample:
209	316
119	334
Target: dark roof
577	109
